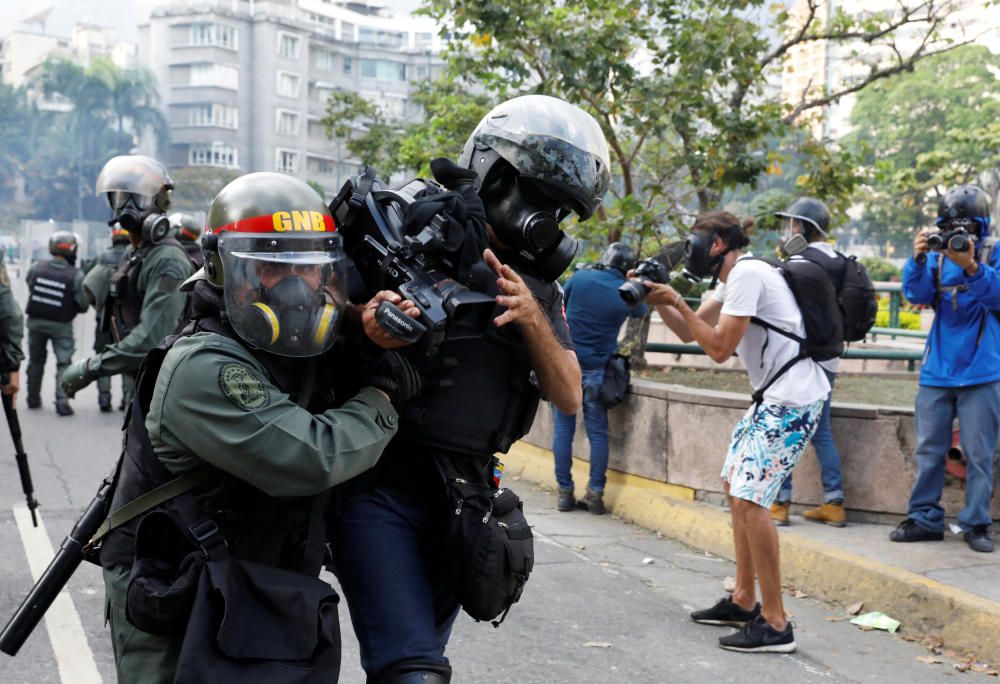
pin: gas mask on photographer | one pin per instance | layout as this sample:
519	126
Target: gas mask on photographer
698	259
524	220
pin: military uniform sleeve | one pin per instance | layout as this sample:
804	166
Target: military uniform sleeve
213	402
82	302
162	305
11	322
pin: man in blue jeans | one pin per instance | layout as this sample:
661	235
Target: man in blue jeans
807	227
960	375
595	313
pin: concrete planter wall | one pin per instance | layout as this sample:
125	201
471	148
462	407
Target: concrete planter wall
679	435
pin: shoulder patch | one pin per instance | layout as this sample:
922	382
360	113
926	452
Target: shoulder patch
242	387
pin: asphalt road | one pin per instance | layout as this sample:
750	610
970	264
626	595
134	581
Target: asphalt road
607	602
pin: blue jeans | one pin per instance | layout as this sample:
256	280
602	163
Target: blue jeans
826	454
391	567
978	411
595	420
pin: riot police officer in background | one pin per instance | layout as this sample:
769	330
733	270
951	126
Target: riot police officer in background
188	232
97	284
55	297
145	305
532	161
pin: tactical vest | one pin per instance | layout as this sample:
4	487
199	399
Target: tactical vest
478	395
52	296
288	532
124	294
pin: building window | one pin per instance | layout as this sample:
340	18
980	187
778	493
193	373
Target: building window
216	154
383	70
323	60
286	122
220	75
348	65
380	38
393	106
423	40
288	84
321	166
347	32
288	45
218	35
219	115
286	161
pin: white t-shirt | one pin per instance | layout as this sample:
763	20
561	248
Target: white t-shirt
754	288
832	364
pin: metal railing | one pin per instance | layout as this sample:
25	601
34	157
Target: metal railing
910	356
893	333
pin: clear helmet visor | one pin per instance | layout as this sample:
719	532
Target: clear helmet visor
285	294
134	174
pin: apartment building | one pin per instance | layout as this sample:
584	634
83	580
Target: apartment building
245	83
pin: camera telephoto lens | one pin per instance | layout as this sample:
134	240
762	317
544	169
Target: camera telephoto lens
935	241
959	242
633	292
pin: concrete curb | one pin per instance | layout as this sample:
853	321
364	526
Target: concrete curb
924	606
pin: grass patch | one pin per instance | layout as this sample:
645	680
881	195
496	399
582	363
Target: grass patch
851	389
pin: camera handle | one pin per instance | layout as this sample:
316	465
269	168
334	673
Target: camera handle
392	319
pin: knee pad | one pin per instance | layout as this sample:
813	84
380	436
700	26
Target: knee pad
414	672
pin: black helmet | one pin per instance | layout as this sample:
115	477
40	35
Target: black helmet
63	243
618	255
965	202
186	227
271	245
813	214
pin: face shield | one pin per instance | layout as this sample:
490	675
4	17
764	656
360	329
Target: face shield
131	184
285	294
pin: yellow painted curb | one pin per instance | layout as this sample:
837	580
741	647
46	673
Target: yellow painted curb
924	606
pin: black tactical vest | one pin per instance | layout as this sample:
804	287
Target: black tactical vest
52	296
124	295
281	532
478	395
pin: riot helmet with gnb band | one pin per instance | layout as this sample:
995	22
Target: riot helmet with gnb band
138	191
538	159
272	247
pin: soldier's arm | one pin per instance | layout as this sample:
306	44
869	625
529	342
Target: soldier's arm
82	301
11	326
162	305
213	402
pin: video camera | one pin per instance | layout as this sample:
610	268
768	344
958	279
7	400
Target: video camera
417	266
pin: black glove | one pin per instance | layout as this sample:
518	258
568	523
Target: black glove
395	376
451	175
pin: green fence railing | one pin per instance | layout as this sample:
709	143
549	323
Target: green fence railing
910	356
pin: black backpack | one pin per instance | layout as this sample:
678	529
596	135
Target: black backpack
821	316
854	289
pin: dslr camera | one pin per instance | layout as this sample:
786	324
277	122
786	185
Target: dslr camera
956	238
635	290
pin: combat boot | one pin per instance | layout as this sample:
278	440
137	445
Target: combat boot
63	408
594	501
830	513
779	512
34	401
566	501
104	402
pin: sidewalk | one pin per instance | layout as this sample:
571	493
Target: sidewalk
933	588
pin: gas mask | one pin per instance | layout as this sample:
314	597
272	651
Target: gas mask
290	315
136	214
528	222
792	243
697	256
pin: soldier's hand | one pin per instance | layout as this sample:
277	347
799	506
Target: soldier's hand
77	376
521	305
395	376
12	387
920	242
375	332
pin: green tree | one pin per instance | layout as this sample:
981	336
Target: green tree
679	89
924	131
196	186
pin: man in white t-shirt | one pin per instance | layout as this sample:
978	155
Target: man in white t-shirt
806	228
770	438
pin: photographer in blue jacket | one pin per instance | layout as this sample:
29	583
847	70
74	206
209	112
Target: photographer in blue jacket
955	269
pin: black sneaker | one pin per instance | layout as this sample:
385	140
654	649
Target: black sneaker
759	637
725	613
978	539
910	531
566	501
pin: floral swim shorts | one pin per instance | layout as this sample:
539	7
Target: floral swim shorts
766	445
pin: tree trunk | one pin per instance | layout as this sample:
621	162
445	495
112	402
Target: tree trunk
633	344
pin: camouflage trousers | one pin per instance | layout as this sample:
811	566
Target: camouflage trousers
63	346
